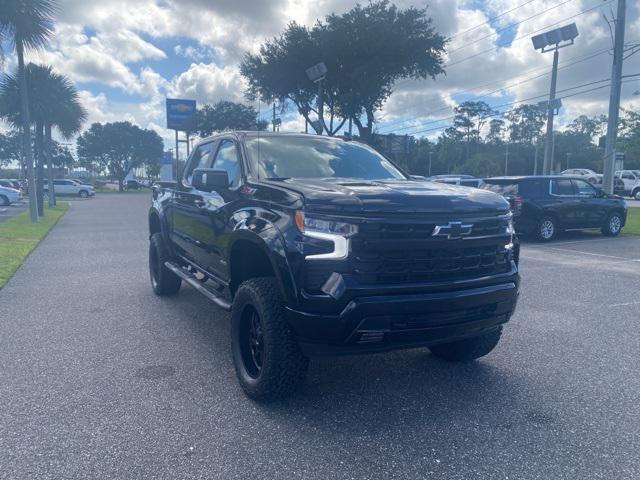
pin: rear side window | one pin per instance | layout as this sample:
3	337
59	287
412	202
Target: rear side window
561	186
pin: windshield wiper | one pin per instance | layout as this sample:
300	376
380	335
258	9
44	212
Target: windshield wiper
278	179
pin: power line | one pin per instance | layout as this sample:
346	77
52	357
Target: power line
569	63
434	129
520	102
509	26
492	19
527	35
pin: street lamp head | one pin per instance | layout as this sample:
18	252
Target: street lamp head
317	72
557	38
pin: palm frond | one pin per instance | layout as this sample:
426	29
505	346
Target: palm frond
27	22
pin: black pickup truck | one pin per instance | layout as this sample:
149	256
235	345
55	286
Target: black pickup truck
321	246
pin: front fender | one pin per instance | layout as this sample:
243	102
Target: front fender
268	238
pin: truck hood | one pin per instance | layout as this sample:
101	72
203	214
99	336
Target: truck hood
396	196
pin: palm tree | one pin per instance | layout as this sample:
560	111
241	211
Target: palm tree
53	102
26	24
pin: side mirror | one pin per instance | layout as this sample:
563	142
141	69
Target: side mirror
208	179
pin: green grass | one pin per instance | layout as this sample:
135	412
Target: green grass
632	226
18	236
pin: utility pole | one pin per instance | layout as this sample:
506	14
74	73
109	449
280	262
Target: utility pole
430	155
568	158
274	117
548	145
535	158
506	160
614	99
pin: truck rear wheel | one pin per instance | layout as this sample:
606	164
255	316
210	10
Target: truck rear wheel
468	349
163	281
266	355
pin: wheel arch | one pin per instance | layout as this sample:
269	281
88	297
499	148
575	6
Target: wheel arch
260	254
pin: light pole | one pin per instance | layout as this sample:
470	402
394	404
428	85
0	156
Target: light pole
430	155
317	74
546	42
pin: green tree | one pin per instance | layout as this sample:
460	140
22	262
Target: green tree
589	126
11	148
385	44
526	122
470	117
53	102
226	115
26	25
118	148
496	130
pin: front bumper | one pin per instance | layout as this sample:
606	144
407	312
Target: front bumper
382	322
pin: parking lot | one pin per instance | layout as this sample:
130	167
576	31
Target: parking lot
102	379
11	210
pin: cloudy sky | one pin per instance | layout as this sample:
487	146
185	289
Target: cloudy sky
127	56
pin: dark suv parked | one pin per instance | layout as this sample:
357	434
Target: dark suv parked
544	206
321	246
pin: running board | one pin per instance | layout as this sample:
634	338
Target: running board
195	283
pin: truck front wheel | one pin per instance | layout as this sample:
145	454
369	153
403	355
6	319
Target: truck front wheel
266	355
469	348
163	281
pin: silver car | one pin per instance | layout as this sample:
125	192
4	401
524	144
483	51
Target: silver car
9	195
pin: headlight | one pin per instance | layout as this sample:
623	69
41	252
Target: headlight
309	224
336	232
511	230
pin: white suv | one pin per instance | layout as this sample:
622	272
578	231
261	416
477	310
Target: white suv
584	173
9	195
70	187
631	180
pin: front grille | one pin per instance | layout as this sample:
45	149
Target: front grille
405	253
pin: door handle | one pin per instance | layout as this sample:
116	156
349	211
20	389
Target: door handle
199	203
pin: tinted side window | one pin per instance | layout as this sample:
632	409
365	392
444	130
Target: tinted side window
199	159
227	159
533	188
561	186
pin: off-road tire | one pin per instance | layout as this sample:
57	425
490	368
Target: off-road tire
542	229
4	201
468	349
636	194
613	225
163	281
283	367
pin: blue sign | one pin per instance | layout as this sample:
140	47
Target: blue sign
167	159
179	112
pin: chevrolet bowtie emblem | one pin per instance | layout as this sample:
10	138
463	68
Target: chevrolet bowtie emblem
452	230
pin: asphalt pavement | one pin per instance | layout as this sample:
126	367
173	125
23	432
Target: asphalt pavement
99	378
8	211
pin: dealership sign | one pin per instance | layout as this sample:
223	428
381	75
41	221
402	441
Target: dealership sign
179	113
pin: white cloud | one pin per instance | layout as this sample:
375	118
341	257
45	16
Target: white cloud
99	42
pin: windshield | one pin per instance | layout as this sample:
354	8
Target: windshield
278	157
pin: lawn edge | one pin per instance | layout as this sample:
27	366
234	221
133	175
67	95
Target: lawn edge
46	234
